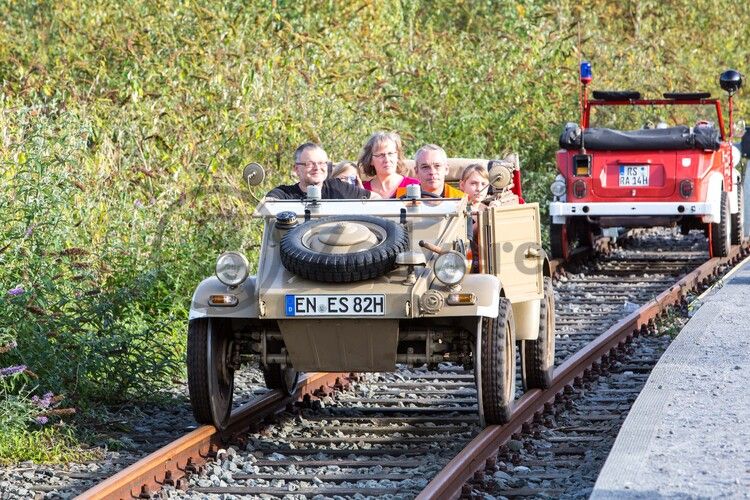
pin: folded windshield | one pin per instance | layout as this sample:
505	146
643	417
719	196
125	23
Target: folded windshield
382	208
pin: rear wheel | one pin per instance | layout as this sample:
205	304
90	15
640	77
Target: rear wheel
538	356
210	370
721	231
498	365
738	219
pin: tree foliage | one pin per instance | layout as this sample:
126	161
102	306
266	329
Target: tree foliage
124	127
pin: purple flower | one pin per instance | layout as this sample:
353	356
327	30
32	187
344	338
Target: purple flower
16	291
43	402
12	370
138	204
41	420
30	230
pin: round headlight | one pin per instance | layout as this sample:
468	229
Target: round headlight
450	268
558	188
231	268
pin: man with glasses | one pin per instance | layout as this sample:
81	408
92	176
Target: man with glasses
431	168
311	166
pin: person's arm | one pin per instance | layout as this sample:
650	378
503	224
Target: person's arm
277	194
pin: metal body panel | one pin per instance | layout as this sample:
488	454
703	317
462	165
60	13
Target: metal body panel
514	247
246	294
487	289
363	345
444	224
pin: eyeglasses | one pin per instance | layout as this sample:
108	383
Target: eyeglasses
311	164
380	156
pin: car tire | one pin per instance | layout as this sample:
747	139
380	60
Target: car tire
210	374
328	267
498	365
538	356
721	231
738	219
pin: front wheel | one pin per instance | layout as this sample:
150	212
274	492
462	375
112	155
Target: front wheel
498	365
210	370
538	356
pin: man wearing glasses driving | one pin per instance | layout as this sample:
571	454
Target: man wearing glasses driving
311	166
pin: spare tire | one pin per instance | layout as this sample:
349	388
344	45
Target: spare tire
343	248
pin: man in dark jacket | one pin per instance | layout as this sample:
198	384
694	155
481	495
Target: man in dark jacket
311	167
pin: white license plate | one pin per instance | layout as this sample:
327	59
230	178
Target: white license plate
633	175
335	305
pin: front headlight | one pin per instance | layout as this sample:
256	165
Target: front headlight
231	268
558	187
450	268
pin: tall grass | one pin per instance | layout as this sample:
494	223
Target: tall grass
124	127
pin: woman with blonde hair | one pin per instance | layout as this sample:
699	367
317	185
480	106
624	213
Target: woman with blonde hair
382	159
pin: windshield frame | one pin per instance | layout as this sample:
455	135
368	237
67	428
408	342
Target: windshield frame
589	105
424	207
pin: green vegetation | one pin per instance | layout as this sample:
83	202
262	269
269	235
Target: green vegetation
124	127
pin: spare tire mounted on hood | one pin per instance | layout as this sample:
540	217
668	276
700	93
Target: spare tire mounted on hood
343	248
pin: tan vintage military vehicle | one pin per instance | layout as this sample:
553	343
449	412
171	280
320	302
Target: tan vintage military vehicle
363	285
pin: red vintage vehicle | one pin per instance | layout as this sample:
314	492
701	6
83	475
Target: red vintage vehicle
657	175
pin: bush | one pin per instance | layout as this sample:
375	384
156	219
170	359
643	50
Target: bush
125	126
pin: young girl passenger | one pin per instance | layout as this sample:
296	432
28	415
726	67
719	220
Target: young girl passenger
475	182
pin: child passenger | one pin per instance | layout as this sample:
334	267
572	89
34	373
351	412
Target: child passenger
475	182
346	171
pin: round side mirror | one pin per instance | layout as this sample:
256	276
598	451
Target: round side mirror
254	174
731	80
500	176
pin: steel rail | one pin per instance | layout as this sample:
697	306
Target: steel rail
449	482
170	464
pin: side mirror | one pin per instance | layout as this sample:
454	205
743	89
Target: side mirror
731	80
253	174
500	175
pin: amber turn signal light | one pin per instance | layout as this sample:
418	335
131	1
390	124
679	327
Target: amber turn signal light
461	299
223	300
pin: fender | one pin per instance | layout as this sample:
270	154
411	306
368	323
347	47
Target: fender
713	196
487	289
526	318
246	293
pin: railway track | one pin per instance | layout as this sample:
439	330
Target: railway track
415	432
